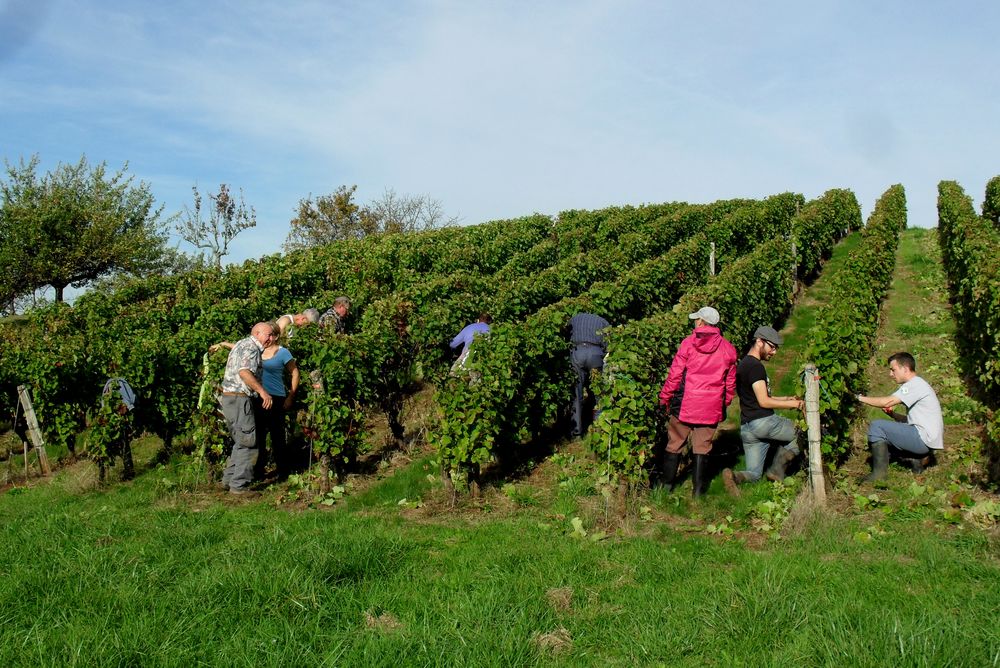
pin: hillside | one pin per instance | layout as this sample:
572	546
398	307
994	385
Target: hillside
547	566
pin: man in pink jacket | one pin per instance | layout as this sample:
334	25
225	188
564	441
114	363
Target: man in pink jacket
701	383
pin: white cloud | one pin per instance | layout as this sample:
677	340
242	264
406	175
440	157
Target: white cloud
500	109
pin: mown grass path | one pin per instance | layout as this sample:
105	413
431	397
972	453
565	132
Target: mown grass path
916	317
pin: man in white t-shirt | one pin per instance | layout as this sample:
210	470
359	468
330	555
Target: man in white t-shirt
914	436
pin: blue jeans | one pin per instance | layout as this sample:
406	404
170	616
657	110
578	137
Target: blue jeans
899	435
757	436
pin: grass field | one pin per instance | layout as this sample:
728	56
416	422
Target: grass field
548	569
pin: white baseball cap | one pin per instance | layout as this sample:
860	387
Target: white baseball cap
706	313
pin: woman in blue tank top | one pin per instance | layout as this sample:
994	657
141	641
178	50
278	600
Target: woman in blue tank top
275	361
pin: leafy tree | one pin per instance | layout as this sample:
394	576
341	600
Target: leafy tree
227	217
74	225
335	217
991	203
326	219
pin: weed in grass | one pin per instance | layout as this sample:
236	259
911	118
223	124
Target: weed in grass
767	516
578	531
521	496
723	528
867	502
869	534
335	494
984	514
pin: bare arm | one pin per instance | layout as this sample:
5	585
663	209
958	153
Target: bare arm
880	402
766	401
254	384
221	344
293	369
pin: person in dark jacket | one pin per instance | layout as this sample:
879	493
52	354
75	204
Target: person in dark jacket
587	354
699	387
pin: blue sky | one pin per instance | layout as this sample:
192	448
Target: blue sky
501	109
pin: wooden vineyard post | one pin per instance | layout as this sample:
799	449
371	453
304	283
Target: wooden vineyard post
795	260
711	260
34	431
795	268
812	424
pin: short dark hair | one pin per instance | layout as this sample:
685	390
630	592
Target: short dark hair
903	359
486	318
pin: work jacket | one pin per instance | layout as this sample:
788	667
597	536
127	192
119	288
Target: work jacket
702	378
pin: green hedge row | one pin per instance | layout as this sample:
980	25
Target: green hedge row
842	338
410	329
752	291
969	246
822	223
524	379
991	202
154	331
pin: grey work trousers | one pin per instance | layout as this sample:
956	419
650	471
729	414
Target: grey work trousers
238	411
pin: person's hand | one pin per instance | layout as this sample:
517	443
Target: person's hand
212	348
889	410
289	400
266	400
802	405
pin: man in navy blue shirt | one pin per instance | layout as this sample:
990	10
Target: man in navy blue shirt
587	354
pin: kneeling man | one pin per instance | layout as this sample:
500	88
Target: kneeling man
915	435
759	425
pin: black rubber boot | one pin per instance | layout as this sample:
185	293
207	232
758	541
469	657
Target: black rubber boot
671	460
782	457
880	461
918	464
656	470
700	475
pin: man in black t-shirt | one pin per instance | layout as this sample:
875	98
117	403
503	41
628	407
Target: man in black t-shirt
759	426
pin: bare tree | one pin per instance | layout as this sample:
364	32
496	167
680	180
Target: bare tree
335	217
227	217
408	213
